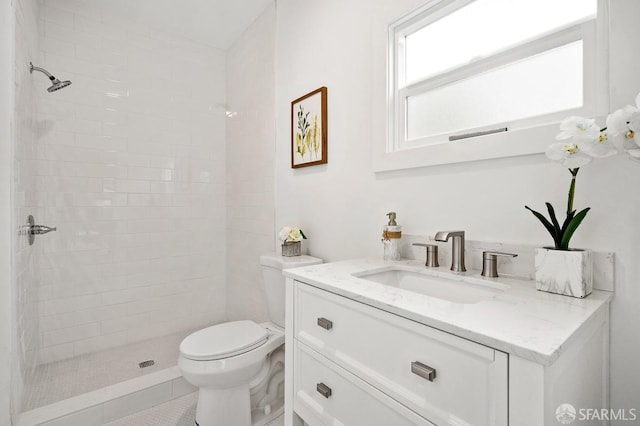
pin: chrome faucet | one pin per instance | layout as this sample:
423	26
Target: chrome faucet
457	249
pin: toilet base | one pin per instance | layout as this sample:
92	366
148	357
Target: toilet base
224	407
210	414
267	394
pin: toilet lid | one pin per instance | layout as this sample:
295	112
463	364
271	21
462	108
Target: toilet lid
223	340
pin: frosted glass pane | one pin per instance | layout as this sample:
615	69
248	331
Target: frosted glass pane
541	84
485	27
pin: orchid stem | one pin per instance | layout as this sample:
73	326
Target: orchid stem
572	189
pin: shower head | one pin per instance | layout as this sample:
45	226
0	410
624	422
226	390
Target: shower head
55	83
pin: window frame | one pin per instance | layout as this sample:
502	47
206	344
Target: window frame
525	136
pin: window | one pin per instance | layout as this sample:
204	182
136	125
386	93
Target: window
457	67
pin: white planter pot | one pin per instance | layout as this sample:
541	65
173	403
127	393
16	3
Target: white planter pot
567	272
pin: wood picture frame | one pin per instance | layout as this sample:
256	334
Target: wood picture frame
309	129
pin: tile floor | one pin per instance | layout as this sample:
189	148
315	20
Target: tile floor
178	412
75	376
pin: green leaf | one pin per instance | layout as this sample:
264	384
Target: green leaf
567	221
302	233
546	224
571	228
552	215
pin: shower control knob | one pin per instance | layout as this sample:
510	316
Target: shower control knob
33	229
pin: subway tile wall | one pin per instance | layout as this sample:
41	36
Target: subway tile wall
25	201
250	165
130	167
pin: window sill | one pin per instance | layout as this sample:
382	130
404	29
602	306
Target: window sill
512	143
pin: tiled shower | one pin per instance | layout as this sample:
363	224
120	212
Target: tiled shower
129	163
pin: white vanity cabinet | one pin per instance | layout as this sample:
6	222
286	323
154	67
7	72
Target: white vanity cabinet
350	363
418	374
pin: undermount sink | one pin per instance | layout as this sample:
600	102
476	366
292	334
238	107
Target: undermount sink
452	290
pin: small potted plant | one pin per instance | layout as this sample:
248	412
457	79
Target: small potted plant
561	269
291	236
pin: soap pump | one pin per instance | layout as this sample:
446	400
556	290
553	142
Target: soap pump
391	235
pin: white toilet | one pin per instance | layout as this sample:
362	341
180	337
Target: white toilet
239	365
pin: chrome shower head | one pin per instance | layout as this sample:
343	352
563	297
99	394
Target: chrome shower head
55	83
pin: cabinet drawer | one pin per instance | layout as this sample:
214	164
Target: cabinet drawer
326	394
444	378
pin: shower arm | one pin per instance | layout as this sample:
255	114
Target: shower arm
55	83
42	70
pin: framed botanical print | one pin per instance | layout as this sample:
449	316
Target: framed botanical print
309	129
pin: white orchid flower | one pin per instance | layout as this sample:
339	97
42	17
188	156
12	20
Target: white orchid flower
578	128
634	128
600	147
619	128
633	150
567	154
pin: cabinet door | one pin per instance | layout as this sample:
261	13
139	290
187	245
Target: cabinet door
443	378
326	394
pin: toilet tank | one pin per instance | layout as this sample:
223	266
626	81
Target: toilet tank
272	265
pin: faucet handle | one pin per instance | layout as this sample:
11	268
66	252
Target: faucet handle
490	262
432	254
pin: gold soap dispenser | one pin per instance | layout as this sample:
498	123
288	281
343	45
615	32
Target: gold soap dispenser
391	235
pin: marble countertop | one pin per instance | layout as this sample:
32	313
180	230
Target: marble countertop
519	320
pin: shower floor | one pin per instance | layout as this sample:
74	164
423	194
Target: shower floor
75	376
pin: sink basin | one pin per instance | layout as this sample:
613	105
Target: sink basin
456	291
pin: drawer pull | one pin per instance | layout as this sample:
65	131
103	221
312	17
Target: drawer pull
325	323
323	390
423	370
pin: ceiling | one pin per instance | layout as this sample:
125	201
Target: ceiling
216	23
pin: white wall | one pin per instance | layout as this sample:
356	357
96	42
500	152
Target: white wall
250	165
131	169
341	206
6	122
25	201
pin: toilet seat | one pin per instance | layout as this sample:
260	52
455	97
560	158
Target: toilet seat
223	341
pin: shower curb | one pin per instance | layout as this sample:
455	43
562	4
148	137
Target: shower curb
111	402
